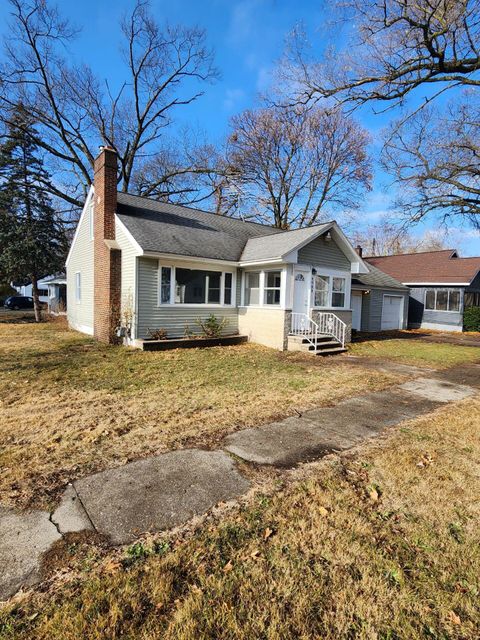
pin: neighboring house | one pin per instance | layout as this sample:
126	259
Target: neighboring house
148	265
57	293
441	286
25	289
51	291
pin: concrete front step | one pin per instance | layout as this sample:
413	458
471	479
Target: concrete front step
304	339
321	344
327	352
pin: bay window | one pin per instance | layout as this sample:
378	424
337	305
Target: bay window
194	286
273	280
442	299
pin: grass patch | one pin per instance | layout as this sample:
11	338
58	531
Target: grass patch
71	406
379	544
417	352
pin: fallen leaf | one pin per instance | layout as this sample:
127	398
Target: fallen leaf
111	566
454	619
228	566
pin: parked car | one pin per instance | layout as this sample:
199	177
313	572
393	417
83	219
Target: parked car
18	302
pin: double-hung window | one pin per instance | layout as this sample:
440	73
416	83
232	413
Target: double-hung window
321	284
227	288
338	292
78	286
329	291
272	288
165	284
194	286
252	287
442	299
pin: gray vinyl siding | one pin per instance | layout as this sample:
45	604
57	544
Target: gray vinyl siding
128	258
80	314
372	305
419	315
324	253
172	318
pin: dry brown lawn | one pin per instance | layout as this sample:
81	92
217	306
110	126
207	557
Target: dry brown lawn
70	406
381	543
413	351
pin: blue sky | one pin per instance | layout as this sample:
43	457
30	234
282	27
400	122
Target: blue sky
248	37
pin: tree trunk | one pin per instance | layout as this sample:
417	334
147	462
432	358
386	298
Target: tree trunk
36	299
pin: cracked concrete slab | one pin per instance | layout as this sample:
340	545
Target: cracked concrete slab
24	537
326	429
437	390
70	516
158	493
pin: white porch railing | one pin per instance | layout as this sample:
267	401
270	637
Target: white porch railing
302	325
332	325
328	324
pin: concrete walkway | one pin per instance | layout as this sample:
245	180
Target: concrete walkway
164	491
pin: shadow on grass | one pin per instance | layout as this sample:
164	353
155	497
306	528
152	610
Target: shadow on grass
359	336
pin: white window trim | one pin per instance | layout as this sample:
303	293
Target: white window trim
78	289
191	305
279	289
448	290
331	273
262	279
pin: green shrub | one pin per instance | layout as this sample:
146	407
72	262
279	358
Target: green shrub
471	319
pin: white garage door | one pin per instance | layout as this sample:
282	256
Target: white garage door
392	313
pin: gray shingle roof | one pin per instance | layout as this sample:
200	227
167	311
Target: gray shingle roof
377	278
267	247
185	231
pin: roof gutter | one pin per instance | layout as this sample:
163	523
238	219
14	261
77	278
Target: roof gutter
436	284
184	258
255	263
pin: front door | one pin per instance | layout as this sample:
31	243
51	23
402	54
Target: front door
357	310
301	287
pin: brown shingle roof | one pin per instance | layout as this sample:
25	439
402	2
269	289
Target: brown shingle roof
440	267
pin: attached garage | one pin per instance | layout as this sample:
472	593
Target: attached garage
392	312
379	302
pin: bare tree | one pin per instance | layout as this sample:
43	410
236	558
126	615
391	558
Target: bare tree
394	47
436	160
165	68
387	238
290	166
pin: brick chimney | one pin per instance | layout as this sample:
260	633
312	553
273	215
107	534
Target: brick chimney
107	264
359	250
